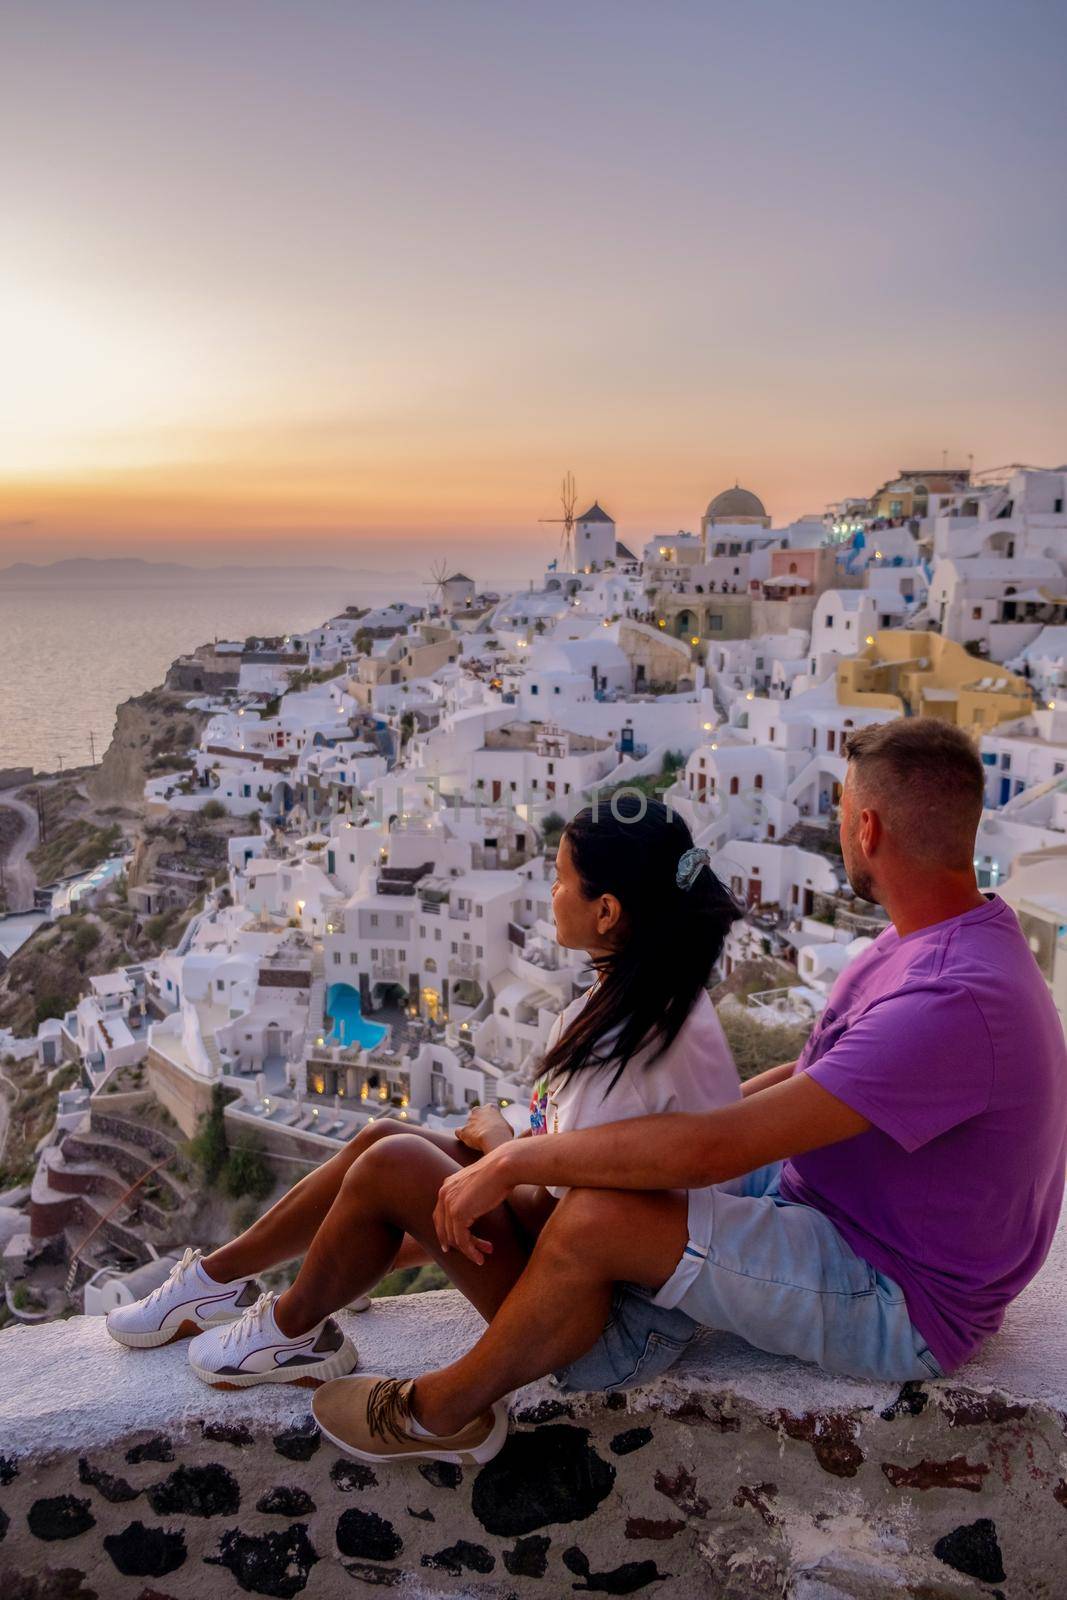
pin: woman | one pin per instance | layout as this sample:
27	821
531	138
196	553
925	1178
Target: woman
632	892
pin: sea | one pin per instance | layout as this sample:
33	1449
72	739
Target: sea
70	653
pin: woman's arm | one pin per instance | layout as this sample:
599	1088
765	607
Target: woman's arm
767	1080
679	1150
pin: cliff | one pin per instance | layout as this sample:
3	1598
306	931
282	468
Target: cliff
152	732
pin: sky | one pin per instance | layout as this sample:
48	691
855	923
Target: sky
358	282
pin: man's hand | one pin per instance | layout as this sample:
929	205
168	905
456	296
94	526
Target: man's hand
467	1195
485	1129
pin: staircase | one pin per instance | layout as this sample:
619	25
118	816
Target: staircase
317	998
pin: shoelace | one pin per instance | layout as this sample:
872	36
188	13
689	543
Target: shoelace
251	1322
389	1407
176	1275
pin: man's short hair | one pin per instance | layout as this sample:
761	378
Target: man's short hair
926	780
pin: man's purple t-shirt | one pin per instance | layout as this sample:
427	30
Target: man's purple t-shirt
948	1042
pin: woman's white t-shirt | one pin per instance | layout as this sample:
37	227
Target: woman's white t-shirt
696	1073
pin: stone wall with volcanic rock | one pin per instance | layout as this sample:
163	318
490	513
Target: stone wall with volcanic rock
740	1476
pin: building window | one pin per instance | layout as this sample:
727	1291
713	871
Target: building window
734	785
337	958
759	780
374	919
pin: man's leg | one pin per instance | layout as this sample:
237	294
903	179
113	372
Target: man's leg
287	1229
560	1303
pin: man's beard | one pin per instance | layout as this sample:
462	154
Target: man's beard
861	881
862	885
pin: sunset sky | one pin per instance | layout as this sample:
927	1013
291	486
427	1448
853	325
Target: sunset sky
350	281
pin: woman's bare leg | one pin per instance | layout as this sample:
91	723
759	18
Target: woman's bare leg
287	1229
388	1193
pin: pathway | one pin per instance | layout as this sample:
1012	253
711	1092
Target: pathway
19	875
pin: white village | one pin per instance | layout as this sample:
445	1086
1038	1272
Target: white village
377	939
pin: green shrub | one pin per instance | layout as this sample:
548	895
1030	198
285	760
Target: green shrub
85	940
212	810
52	1005
248	1174
208	1146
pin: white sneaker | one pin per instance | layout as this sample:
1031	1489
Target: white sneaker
255	1350
186	1302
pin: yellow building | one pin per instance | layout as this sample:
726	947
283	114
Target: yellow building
927	675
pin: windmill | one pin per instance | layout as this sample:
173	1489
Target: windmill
566	521
436	583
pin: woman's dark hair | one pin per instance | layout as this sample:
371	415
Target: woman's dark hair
672	937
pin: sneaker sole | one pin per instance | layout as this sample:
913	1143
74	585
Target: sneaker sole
187	1329
491	1446
339	1365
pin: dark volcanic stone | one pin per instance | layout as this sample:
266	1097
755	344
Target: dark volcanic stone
633	1439
551	1475
140	1552
529	1559
966	1409
367	1535
112	1488
461	1557
650	1528
386	1577
8	1470
60	1517
973	1549
299	1442
5	1523
442	1474
955	1473
210	1491
756	1495
627	1579
544	1411
53	1583
227	1433
158	1448
912	1401
349	1475
831	1435
421	1516
286	1501
268	1563
681	1487
615	1400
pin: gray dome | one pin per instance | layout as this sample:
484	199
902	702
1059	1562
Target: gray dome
734	503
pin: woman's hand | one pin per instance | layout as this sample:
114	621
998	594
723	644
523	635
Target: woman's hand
485	1129
465	1196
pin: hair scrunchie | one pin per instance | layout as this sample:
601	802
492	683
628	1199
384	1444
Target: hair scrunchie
689	866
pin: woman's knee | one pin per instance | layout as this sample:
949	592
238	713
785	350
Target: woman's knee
400	1154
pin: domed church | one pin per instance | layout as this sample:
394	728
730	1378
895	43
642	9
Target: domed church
735	507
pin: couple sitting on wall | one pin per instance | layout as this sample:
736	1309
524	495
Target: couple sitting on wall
872	1207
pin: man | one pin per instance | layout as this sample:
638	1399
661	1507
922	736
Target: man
872	1207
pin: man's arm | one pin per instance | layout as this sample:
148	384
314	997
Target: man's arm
682	1150
767	1080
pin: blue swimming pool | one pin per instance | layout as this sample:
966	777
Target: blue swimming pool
349	1024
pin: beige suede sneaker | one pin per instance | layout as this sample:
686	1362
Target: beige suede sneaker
370	1418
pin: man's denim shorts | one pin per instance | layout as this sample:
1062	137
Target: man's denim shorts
775	1272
